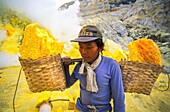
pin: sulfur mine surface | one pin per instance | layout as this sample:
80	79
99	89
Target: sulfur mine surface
26	101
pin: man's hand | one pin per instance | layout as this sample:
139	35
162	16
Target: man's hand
67	61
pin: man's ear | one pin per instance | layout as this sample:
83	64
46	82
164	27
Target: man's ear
101	48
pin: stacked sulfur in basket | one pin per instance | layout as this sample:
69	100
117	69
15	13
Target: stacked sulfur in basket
143	67
40	59
145	50
37	42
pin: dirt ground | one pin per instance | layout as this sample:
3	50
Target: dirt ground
26	101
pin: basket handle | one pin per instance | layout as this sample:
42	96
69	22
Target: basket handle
76	60
69	61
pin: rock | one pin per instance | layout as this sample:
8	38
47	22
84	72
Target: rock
66	5
149	13
167	55
164	50
165	37
158	33
162	81
166	64
162	85
165	44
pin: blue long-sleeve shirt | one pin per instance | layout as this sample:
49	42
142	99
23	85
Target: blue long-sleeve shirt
109	81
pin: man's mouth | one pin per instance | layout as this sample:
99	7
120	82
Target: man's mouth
85	57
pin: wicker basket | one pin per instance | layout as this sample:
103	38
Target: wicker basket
139	77
44	74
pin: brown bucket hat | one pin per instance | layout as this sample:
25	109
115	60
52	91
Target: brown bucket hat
88	33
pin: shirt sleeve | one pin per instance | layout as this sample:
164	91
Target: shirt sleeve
117	89
70	79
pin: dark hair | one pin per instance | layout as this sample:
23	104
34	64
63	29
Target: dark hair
99	43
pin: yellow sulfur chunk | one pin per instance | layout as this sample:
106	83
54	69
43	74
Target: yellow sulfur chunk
119	55
111	46
10	48
107	53
12	42
37	42
10	30
75	45
114	50
69	96
73	51
145	50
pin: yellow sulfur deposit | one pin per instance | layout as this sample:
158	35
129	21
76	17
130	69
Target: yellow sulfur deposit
111	46
145	50
37	42
10	48
114	50
10	30
119	55
12	42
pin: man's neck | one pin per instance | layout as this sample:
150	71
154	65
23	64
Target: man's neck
93	60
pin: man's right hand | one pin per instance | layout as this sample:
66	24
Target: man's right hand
67	61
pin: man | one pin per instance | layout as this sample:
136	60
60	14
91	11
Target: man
100	77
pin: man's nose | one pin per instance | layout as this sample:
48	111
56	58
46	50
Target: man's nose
84	51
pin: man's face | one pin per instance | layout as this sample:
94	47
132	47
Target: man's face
89	51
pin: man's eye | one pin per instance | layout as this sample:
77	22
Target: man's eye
89	47
80	47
